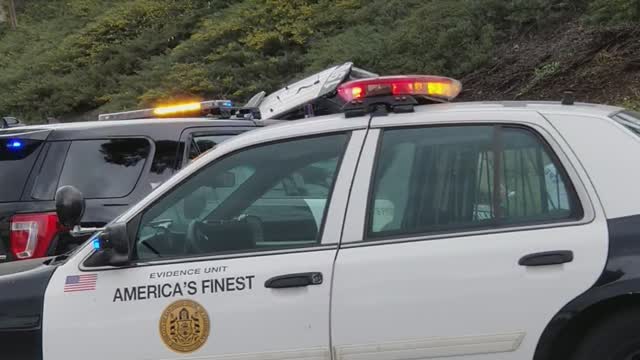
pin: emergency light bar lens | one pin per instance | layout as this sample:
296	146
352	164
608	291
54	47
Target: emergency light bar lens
429	86
176	109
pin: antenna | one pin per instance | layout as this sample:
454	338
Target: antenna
568	97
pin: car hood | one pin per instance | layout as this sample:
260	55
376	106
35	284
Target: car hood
17	267
23	285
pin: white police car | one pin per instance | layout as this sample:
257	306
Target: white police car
393	231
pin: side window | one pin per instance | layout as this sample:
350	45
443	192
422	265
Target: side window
203	143
17	158
437	179
179	217
165	162
92	165
263	198
47	180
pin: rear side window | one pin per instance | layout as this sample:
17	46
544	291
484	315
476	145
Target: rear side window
17	157
203	143
165	162
456	178
105	168
630	120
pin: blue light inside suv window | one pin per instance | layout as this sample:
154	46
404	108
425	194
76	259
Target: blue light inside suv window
15	144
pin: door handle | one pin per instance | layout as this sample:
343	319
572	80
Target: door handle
547	258
294	280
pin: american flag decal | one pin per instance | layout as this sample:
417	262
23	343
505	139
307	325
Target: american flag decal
80	283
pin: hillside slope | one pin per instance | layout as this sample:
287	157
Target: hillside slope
600	65
71	59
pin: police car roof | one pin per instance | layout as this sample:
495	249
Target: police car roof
338	122
148	127
475	106
540	106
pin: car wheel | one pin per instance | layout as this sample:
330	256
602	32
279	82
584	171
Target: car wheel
615	338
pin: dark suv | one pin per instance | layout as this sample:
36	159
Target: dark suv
113	163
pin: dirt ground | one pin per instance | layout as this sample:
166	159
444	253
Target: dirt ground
599	65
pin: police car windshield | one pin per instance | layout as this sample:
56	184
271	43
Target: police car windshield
630	120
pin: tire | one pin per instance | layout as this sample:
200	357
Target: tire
615	338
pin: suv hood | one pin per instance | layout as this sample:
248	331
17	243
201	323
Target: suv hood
17	267
23	285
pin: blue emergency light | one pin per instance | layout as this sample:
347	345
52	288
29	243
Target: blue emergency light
15	144
96	243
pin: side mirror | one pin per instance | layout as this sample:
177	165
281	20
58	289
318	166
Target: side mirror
115	244
69	206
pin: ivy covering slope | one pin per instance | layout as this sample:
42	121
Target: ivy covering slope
70	58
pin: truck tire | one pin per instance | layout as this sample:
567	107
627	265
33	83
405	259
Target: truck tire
615	338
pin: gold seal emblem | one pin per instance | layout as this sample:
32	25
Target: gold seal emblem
184	326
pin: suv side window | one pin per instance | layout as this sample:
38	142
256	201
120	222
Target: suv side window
203	143
165	162
264	198
91	166
16	163
454	178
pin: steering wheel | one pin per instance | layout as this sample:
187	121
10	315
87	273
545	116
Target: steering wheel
195	236
256	225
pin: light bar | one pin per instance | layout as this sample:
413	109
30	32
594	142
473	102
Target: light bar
196	109
176	109
414	85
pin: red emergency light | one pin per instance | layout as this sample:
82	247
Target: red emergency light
429	86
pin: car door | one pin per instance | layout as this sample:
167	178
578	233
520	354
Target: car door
219	281
467	234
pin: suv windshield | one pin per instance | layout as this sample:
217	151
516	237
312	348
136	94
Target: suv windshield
17	157
630	120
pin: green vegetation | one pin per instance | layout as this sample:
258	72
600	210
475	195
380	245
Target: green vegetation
633	100
540	74
69	57
613	12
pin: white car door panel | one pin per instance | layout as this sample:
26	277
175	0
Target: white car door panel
466	295
460	293
121	318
